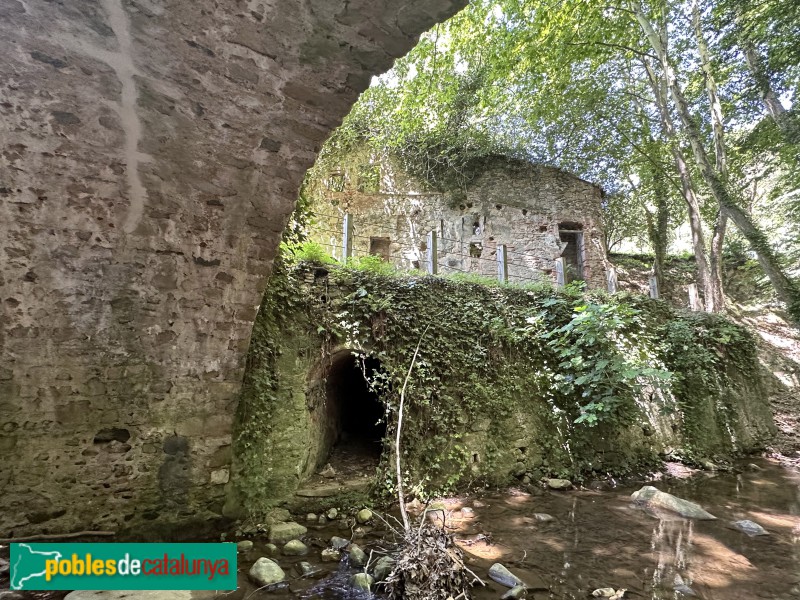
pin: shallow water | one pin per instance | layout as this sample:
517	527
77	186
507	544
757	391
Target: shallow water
598	539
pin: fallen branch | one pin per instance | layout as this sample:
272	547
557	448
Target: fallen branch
57	536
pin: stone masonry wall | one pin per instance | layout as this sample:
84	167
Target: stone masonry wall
150	154
510	202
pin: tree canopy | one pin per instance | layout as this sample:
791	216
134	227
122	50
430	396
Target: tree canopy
683	111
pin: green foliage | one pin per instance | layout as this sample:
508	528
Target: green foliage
564	369
371	264
308	251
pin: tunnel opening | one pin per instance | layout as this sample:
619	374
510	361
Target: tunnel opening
356	414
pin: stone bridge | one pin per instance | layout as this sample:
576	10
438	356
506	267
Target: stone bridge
150	154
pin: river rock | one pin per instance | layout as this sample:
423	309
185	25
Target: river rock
295	548
467	512
503	576
271	549
330	555
328	472
332	514
559	484
322	520
609	593
362	581
280	533
680	586
306	569
650	496
339	543
383	567
266	572
4	565
542	517
515	593
358	557
244	546
751	528
364	516
311	518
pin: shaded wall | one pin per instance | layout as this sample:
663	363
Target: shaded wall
150	154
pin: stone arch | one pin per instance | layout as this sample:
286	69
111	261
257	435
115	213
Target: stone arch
152	153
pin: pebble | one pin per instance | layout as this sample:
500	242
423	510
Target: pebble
295	548
330	555
364	516
328	472
543	517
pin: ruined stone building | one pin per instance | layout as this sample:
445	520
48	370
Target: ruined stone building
539	213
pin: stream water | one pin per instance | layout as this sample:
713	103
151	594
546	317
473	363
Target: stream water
597	539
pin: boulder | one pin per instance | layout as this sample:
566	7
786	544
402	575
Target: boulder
503	576
654	498
515	593
364	516
280	533
362	581
358	557
266	572
295	548
383	567
559	484
330	555
750	528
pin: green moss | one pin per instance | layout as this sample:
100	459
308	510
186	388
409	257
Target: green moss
508	381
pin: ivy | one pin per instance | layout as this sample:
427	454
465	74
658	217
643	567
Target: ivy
577	364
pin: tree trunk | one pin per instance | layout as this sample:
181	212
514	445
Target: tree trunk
785	288
704	279
717	302
782	117
657	229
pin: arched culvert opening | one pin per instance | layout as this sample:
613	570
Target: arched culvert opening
355	412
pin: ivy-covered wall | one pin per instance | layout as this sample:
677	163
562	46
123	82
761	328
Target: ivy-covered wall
509	380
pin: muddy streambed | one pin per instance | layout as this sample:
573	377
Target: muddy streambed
596	539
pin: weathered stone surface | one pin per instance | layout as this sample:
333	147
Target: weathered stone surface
150	154
521	205
280	533
339	543
750	528
383	567
330	555
362	581
295	548
266	572
652	497
503	576
515	593
364	516
358	558
559	484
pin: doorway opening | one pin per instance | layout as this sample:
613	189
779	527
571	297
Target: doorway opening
572	235
356	414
